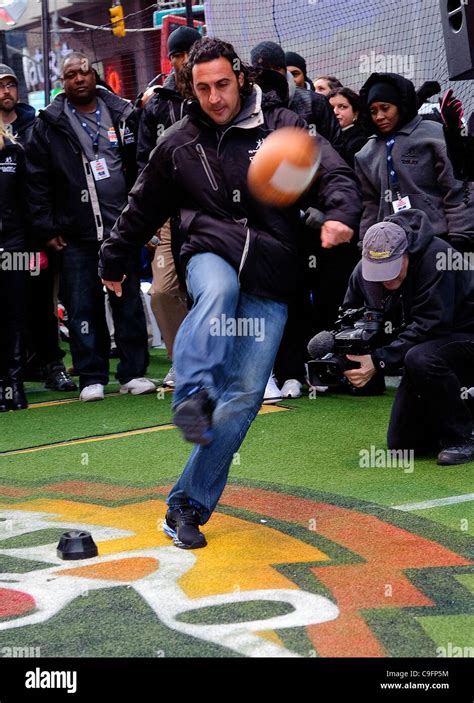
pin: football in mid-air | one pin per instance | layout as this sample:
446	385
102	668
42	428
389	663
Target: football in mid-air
284	166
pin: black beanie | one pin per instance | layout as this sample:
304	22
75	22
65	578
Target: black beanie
383	92
182	39
294	59
268	54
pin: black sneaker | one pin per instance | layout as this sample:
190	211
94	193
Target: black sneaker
194	418
461	454
58	379
182	525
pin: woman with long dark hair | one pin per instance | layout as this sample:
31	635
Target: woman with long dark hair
346	105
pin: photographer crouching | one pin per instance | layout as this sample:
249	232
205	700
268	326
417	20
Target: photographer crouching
422	282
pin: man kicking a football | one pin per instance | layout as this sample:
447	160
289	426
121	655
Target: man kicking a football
240	263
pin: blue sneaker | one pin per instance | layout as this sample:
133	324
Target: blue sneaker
194	418
182	525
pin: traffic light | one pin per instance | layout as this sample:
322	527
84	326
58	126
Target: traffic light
116	18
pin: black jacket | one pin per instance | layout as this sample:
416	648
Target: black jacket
354	139
23	125
200	171
12	197
432	302
62	197
314	108
162	110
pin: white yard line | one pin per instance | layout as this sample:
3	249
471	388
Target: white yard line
437	502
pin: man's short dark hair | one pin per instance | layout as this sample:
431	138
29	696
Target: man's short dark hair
209	49
76	55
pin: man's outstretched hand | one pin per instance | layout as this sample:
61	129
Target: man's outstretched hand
114	286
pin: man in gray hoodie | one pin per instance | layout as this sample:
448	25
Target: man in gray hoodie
426	288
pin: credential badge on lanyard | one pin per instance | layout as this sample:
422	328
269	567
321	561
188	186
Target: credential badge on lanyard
98	166
402	202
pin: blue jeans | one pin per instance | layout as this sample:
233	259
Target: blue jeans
83	296
232	363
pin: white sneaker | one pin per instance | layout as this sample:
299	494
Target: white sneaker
93	392
291	389
137	386
272	392
169	380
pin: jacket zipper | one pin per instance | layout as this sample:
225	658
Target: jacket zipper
206	166
244	253
171	111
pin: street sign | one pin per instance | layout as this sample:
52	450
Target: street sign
159	15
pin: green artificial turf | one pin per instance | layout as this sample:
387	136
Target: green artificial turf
312	449
316	443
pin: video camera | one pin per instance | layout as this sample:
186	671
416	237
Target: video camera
357	331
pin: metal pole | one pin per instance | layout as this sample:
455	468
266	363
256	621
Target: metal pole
3	41
46	49
189	13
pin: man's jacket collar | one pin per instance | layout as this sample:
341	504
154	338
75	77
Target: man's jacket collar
119	108
249	117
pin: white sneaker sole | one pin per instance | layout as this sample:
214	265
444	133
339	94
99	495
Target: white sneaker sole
135	391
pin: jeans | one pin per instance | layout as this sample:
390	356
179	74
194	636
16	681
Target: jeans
233	365
429	410
89	337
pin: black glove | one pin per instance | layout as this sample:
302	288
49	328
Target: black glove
314	218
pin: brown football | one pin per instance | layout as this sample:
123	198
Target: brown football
284	166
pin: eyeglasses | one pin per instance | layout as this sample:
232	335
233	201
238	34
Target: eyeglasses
7	86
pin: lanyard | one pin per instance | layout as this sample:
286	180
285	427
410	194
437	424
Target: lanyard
94	137
392	174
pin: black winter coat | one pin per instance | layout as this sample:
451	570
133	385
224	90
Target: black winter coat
354	139
62	198
23	125
12	197
432	302
162	110
314	108
461	152
199	171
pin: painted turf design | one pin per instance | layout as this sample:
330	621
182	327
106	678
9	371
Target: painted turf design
286	573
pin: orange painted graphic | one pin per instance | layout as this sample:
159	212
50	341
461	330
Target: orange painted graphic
243	564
